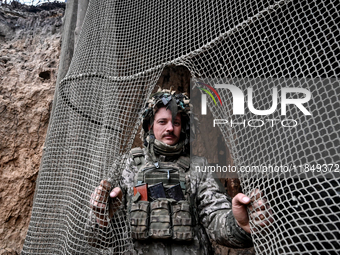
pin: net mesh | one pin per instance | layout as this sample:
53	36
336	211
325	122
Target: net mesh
31	2
121	52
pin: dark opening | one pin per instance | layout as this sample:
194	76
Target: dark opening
46	75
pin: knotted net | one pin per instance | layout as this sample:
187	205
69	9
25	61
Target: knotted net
121	52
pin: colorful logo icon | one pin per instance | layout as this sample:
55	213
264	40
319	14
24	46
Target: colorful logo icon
209	93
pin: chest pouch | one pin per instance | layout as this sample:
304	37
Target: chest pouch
181	221
139	217
160	219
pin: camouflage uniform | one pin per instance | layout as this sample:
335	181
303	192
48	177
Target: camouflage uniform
214	218
211	215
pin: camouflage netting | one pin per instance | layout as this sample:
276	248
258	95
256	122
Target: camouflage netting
121	52
30	2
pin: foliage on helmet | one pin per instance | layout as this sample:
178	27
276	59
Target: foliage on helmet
176	103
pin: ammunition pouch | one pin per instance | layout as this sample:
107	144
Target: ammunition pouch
139	216
161	219
181	221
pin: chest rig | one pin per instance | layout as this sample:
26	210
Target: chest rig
170	173
161	218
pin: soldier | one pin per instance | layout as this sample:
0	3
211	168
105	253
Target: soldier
172	208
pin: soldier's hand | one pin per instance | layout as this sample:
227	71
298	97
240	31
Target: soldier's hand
261	213
116	194
259	208
99	200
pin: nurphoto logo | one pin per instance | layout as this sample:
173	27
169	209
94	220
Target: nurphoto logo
238	104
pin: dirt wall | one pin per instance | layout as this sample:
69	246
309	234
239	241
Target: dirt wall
29	54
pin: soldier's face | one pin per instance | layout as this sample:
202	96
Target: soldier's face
164	130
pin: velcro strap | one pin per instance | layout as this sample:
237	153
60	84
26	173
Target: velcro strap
138	229
159	218
160	233
181	222
139	206
182	235
139	235
139	222
170	165
181	207
160	204
164	179
136	197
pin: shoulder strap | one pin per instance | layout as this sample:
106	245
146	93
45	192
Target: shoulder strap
184	163
138	157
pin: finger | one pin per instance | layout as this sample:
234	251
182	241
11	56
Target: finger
259	215
106	185
96	206
256	194
259	224
270	216
97	210
98	200
239	203
101	196
261	209
100	215
116	192
240	200
262	219
102	191
93	202
259	205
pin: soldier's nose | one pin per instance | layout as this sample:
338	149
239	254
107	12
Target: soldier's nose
169	127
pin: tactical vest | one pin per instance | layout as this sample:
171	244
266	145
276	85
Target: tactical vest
161	218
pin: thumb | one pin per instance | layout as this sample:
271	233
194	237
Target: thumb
116	192
240	210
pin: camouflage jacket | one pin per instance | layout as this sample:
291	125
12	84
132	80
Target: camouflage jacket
214	218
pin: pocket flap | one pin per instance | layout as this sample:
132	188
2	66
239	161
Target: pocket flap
140	206
181	222
160	204
139	221
159	218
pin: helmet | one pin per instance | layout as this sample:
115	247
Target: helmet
176	103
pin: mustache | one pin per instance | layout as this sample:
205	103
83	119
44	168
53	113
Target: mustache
168	134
